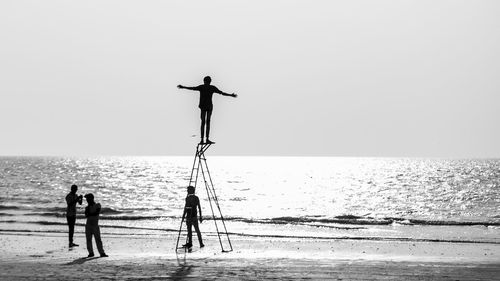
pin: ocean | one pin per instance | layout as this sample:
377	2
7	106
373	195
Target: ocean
400	199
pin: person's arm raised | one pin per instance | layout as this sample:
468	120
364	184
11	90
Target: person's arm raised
188	88
225	94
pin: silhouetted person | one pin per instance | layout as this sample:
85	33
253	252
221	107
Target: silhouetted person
206	92
92	226
71	199
190	213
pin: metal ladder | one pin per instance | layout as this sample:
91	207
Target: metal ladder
200	165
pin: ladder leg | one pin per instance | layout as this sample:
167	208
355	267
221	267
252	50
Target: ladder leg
195	167
216	200
211	207
179	235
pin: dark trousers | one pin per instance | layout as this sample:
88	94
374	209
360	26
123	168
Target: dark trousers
190	223
71	225
93	230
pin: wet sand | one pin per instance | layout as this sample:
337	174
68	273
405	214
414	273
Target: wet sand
35	256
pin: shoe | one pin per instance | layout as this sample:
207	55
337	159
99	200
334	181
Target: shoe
187	245
90	255
202	245
210	142
202	142
103	255
73	245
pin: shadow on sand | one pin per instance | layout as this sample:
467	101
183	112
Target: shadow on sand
183	268
81	260
182	272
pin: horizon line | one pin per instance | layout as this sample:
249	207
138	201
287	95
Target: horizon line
225	155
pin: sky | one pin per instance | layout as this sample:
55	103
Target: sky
313	78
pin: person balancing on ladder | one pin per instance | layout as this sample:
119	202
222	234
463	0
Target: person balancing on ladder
206	92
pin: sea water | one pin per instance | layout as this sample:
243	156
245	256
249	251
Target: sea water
298	197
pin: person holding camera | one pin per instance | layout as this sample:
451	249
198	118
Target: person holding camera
71	199
92	226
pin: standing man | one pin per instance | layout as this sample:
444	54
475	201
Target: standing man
71	199
92	226
190	213
206	92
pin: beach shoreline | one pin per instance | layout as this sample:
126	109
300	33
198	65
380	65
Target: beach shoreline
34	256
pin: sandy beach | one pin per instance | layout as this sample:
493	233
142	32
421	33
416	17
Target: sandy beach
45	256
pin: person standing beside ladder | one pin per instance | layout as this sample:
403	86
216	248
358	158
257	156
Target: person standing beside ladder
190	214
206	106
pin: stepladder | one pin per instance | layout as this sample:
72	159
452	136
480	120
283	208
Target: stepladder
200	178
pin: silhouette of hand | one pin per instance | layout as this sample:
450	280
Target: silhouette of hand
201	219
180	86
234	95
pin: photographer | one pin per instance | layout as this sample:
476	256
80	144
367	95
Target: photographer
71	199
92	212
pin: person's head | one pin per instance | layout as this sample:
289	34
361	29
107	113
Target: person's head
74	188
190	189
90	198
207	80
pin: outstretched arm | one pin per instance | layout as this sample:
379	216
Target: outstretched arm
225	94
189	88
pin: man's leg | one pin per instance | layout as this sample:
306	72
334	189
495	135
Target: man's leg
209	115
71	225
202	128
198	232
88	235
98	242
190	232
